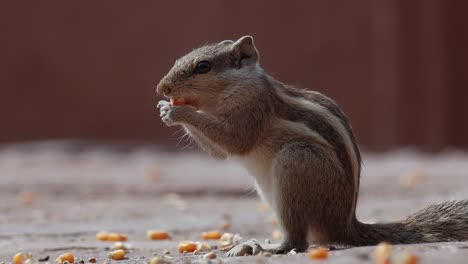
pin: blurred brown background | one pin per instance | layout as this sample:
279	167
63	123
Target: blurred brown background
87	69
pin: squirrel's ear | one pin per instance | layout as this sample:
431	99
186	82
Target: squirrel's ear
244	50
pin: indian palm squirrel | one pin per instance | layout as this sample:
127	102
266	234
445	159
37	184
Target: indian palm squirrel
297	144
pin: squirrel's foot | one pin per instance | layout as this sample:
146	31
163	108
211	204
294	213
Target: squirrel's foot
253	247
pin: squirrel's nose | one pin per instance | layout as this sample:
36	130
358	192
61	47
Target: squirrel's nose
163	89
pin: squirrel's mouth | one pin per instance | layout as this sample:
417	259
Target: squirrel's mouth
177	101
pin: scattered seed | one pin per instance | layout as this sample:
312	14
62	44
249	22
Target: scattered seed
228	241
65	257
102	236
412	178
117	237
160	260
262	207
105	236
121	245
273	221
153	174
203	246
225	225
22	258
186	246
277	235
318	253
382	253
157	235
407	258
211	235
27	197
118	254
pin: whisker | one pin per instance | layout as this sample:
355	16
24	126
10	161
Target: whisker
183	138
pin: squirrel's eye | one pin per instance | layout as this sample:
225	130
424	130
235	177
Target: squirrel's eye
202	67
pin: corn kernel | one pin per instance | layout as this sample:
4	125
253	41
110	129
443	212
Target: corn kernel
153	174
121	245
28	197
273	221
225	225
157	235
178	101
103	236
262	207
228	241
382	253
408	258
116	237
65	257
277	235
161	260
202	246
186	246
118	254
211	235
318	253
22	258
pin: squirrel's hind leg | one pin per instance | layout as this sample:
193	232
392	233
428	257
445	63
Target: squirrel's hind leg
307	179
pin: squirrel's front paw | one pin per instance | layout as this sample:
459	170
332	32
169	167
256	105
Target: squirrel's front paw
171	115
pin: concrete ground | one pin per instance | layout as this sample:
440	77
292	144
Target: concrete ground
56	197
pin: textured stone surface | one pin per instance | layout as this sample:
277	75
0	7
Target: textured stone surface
75	193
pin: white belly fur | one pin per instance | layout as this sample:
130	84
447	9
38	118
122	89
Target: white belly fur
258	165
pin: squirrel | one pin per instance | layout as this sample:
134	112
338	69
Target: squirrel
297	144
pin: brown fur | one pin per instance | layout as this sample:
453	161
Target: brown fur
297	144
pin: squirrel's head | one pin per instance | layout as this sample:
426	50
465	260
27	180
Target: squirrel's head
200	76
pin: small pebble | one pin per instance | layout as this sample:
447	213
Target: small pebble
92	260
81	261
166	251
44	259
210	255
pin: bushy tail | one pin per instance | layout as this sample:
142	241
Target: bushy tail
442	222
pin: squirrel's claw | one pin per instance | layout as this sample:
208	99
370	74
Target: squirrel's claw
251	247
163	103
